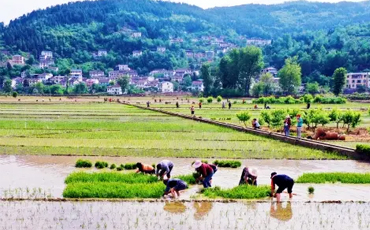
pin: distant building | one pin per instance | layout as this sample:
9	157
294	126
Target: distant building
123	68
161	49
210	54
166	87
96	73
52	68
47	54
90	82
273	71
17	81
114	90
197	86
102	53
46	59
137	53
182	72
258	42
136	34
17	60
189	53
356	79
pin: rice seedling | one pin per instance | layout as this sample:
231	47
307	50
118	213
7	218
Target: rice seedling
83	164
189	179
311	190
113	166
345	178
239	192
113	190
130	166
129	178
227	163
101	164
119	168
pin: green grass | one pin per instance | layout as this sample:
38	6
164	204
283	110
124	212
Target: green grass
345	178
83	164
239	192
129	178
227	163
111	190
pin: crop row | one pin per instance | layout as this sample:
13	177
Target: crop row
345	178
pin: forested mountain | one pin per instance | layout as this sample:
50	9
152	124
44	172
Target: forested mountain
324	36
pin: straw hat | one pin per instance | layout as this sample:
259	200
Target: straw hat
287	116
253	172
197	164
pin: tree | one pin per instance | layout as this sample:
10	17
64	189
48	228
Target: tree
257	89
40	87
7	86
187	81
269	85
290	76
243	117
339	78
277	118
124	83
250	65
80	88
207	79
313	88
266	117
308	98
336	116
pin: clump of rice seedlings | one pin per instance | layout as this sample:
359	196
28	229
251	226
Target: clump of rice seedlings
154	165
113	166
101	164
239	192
129	178
83	164
130	166
345	178
227	163
119	168
189	179
311	190
113	190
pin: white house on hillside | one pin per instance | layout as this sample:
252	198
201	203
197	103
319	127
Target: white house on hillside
197	86
114	90
166	87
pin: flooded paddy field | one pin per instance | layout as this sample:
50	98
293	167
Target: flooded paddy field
188	215
46	174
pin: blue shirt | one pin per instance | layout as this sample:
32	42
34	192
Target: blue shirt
300	122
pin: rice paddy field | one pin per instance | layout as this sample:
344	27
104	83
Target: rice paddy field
41	139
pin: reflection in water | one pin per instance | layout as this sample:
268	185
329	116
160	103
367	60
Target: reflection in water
202	209
175	207
280	213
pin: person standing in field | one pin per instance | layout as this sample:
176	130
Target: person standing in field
146	169
206	173
283	182
287	124
192	110
299	126
164	168
177	104
223	105
229	104
249	176
200	105
174	186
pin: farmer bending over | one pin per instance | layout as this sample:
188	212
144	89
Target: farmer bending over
164	167
146	169
283	181
174	186
249	176
206	173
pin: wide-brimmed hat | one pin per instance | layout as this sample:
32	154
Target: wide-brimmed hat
287	116
197	164
253	172
273	174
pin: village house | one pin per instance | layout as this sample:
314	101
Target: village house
356	79
34	81
47	54
137	53
161	49
273	71
96	73
103	81
199	55
46	59
166	87
197	86
57	80
136	34
182	72
52	68
258	42
76	73
102	53
90	82
189	54
122	68
17	60
178	78
17	81
114	90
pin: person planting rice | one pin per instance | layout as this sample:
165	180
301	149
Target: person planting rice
174	186
164	167
146	169
283	181
249	176
206	173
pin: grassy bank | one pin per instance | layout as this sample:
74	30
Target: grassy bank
239	192
345	178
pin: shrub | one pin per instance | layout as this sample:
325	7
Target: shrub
201	100
113	166
130	166
128	178
277	118
239	192
345	178
219	98
83	164
363	149
244	117
210	99
311	190
227	163
15	94
113	190
101	164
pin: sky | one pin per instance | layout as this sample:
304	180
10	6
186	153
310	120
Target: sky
11	9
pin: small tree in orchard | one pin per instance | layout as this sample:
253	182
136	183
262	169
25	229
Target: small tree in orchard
210	99
201	100
219	98
313	118
15	94
336	116
351	118
277	118
244	117
266	117
308	99
339	78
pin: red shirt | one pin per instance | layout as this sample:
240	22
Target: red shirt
205	169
